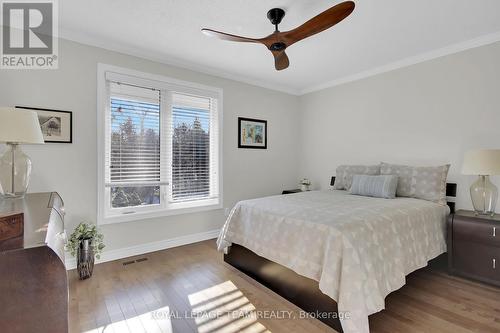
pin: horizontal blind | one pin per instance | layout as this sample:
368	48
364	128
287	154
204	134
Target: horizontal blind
191	132
133	152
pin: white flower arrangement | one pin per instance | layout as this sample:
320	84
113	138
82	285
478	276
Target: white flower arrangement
305	182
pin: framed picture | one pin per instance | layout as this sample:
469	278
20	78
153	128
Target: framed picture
56	125
252	133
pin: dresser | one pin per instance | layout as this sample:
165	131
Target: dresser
33	281
474	246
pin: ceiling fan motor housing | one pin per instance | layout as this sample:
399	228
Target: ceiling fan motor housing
279	46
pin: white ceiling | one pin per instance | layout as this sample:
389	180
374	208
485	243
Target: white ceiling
379	35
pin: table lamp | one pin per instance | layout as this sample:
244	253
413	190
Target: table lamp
17	127
483	192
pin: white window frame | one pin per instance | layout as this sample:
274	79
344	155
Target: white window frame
106	215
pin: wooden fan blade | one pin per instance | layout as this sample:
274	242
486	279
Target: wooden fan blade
280	60
323	21
232	38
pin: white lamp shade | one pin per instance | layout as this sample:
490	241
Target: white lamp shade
20	126
482	162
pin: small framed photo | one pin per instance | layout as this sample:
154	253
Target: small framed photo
252	133
56	125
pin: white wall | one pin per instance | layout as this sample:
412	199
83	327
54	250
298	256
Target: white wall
71	169
426	114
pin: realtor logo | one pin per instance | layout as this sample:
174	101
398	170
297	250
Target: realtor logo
29	34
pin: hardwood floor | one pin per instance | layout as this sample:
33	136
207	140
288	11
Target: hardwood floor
161	293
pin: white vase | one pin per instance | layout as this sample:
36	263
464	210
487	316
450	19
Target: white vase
15	170
484	195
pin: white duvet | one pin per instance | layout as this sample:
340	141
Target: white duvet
358	248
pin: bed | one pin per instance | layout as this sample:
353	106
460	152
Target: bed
335	255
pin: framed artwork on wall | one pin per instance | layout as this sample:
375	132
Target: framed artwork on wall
252	133
56	125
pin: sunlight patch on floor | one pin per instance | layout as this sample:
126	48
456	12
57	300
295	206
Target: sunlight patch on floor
212	292
153	321
223	308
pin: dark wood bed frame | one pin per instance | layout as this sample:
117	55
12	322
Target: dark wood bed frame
299	290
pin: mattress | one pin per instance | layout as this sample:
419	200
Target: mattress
358	248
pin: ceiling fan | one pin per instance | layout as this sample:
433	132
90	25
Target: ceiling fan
278	41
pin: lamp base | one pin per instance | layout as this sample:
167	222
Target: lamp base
15	171
484	195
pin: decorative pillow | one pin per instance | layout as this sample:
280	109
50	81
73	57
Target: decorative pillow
383	186
344	174
427	183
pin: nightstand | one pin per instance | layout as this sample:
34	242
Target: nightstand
291	191
474	246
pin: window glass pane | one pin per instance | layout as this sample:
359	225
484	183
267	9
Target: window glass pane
134	157
190	149
131	196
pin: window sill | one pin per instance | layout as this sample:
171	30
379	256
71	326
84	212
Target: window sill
119	218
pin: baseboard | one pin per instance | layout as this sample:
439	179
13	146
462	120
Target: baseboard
146	248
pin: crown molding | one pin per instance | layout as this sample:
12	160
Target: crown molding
451	49
85	39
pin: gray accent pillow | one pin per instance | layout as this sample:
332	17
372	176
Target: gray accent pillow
427	183
344	173
382	186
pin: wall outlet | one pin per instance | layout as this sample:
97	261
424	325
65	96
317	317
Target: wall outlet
227	211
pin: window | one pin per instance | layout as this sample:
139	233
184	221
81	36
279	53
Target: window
159	146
